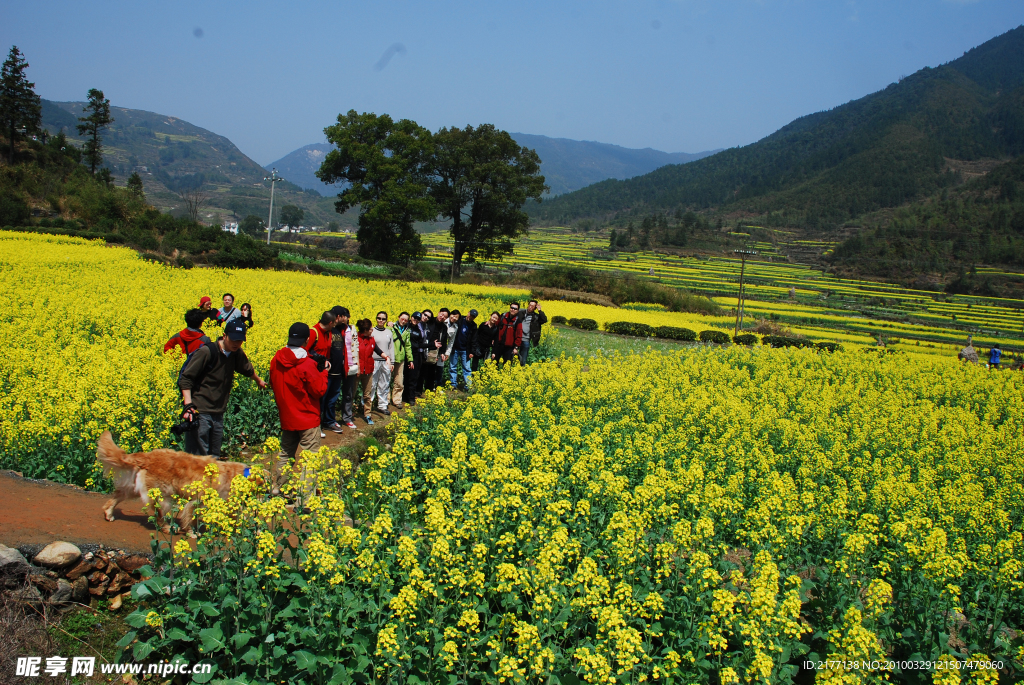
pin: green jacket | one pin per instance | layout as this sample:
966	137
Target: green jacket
403	345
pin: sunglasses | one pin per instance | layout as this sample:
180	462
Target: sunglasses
382	318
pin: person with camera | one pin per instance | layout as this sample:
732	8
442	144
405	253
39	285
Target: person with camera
205	385
299	383
510	335
531	319
318	346
344	332
416	350
228	312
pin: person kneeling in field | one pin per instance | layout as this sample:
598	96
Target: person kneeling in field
298	388
205	385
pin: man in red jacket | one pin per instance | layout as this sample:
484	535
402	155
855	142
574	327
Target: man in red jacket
193	337
298	386
510	334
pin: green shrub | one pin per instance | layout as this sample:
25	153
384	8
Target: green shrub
583	324
638	330
745	339
675	333
716	337
784	341
558	319
828	346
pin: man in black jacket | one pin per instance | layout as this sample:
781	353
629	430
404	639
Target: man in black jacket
418	345
485	336
205	385
532	319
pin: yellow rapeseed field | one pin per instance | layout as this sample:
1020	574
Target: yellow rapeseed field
84	326
702	516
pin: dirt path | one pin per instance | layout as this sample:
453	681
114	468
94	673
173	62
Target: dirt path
39	512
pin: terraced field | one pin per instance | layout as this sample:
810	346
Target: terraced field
800	296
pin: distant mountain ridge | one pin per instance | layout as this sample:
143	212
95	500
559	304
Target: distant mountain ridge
885	149
567	164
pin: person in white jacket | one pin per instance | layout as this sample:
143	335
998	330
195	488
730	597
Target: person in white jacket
383	353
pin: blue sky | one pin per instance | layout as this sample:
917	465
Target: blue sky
675	75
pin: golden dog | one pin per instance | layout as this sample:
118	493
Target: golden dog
169	471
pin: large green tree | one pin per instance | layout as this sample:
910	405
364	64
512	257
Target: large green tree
92	125
20	108
481	179
387	166
252	226
292	215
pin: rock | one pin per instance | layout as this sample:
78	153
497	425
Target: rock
45	585
97	578
122	581
84	567
133	563
80	590
63	592
13	568
115	602
58	555
100	589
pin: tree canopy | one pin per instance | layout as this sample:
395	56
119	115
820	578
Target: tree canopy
91	126
481	178
20	107
292	215
387	165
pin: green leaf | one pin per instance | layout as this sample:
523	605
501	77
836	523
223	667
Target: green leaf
568	679
252	656
305	661
241	639
136	619
178	634
205	677
127	639
213	638
140	591
141	650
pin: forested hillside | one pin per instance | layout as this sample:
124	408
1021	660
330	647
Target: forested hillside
905	142
981	222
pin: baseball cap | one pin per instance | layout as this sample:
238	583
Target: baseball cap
204	299
235	330
298	334
473	312
417	315
338	310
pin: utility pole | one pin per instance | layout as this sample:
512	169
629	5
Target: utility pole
739	299
273	178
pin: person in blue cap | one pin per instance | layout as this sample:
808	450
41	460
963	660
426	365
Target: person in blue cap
205	385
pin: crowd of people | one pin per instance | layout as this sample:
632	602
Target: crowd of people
328	374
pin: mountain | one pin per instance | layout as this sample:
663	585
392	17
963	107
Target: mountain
170	153
567	164
300	167
905	142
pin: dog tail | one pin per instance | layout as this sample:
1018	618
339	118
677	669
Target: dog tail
110	455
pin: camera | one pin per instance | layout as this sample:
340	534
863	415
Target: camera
182	427
321	360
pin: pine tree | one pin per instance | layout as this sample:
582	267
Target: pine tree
20	107
91	125
135	185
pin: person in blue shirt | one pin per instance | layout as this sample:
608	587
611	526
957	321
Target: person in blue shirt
995	355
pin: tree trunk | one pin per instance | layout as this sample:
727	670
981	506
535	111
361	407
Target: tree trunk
10	141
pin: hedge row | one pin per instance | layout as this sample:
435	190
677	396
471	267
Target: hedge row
745	339
715	337
785	341
558	320
642	330
583	324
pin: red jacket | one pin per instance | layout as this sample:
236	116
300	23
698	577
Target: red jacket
365	354
298	387
319	341
188	341
510	330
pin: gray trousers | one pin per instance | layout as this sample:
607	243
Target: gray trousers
206	435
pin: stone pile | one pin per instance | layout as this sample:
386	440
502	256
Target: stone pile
60	573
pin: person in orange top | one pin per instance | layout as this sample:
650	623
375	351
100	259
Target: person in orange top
192	337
